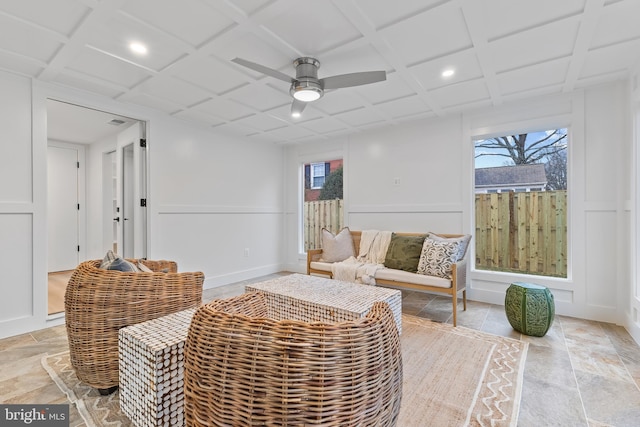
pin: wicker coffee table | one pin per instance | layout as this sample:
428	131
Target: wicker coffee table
311	298
152	353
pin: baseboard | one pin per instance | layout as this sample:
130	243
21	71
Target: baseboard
239	276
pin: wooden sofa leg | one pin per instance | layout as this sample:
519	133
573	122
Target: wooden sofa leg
455	308
464	299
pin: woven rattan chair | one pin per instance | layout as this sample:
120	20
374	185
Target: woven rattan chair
244	367
99	302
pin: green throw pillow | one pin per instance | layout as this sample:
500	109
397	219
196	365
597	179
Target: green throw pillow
404	252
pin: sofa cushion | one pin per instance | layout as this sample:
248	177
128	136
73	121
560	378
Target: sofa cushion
464	242
336	248
437	257
404	252
406	277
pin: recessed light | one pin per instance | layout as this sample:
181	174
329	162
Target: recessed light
138	48
448	72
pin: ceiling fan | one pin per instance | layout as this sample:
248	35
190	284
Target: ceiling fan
306	86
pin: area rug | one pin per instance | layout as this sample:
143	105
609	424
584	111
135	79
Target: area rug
452	377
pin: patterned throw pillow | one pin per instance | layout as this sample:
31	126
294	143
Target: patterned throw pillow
437	257
464	242
108	259
336	248
404	252
111	261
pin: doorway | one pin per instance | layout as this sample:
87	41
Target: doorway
99	138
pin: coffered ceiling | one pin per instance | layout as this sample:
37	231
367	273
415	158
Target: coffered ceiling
501	51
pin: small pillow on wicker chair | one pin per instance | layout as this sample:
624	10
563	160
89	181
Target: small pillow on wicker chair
336	248
108	259
112	261
120	264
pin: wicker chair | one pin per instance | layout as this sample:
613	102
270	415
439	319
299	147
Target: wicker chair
244	367
99	302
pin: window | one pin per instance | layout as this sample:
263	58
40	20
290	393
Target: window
318	173
323	204
521	203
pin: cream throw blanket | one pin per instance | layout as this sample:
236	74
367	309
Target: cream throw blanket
373	250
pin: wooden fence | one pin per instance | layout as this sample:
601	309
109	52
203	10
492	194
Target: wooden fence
522	232
321	214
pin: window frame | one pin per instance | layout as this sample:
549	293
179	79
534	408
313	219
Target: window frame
474	135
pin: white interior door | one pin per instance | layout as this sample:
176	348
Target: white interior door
131	192
62	205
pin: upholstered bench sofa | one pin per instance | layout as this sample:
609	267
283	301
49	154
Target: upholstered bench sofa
427	262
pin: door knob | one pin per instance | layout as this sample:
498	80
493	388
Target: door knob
117	219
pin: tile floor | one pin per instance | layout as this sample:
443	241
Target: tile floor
582	373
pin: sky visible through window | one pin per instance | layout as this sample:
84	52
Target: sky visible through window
489	158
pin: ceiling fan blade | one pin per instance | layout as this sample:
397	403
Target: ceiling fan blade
297	107
262	69
353	79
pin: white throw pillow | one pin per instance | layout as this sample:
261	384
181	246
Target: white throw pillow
336	248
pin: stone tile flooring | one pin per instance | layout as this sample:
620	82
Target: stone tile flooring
582	373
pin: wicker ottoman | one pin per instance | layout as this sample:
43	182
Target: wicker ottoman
529	308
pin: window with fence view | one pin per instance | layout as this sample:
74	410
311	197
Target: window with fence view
521	203
323	201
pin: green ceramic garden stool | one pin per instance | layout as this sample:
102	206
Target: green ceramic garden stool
529	308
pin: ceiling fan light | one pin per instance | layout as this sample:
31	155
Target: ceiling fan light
306	90
306	95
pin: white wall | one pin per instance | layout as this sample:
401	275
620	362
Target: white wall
210	197
433	160
213	197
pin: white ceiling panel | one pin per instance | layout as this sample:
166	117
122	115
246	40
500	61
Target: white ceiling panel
461	93
199	117
173	89
96	64
263	122
339	101
212	75
61	16
261	97
464	64
610	60
391	12
429	35
361	117
312	27
325	125
252	47
83	82
502	51
507	17
619	22
393	88
154	102
117	33
26	40
410	106
192	21
228	110
530	47
19	64
534	77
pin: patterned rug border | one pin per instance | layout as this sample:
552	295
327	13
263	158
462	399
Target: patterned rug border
486	405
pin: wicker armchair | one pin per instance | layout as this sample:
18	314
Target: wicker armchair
244	367
99	302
